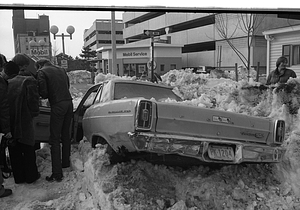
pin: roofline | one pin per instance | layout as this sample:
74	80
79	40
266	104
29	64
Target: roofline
282	30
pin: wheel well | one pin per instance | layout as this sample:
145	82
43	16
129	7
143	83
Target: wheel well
98	140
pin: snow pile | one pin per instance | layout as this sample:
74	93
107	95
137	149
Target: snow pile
104	77
79	76
94	183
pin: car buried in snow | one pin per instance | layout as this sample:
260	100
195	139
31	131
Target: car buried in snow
147	120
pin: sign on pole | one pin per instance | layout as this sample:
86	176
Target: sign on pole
160	40
64	64
151	33
149	65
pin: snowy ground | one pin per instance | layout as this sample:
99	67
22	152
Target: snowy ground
93	183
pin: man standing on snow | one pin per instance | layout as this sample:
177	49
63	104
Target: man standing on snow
23	101
53	84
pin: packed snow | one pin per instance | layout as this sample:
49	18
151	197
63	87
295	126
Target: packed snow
93	183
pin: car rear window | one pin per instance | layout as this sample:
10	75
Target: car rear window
126	90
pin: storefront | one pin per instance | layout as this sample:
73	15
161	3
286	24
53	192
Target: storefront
133	60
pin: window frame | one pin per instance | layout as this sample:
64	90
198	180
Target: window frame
290	55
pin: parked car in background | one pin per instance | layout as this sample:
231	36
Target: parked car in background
138	118
203	69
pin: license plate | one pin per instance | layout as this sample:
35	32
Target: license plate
220	153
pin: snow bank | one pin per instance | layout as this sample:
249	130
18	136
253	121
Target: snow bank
141	185
94	183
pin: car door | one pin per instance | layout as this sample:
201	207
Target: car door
41	123
86	102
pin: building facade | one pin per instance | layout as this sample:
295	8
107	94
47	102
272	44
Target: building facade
133	60
205	42
99	35
285	42
31	36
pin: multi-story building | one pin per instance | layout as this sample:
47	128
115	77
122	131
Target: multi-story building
31	36
99	35
201	36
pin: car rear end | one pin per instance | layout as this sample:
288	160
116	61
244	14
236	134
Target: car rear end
208	135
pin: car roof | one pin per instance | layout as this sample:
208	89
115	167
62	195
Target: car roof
140	82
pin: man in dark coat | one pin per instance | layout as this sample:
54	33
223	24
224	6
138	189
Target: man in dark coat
24	106
23	61
53	83
281	74
4	118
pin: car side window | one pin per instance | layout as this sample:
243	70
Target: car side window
89	101
98	95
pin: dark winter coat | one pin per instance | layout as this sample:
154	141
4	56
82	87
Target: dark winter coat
53	83
277	77
24	106
4	107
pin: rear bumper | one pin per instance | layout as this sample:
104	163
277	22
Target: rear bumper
200	148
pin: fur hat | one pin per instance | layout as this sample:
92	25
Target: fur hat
11	68
281	60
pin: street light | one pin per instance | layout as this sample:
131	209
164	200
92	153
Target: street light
54	31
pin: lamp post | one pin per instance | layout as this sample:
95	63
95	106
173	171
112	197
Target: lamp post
54	31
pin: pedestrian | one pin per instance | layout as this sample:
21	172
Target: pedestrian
23	61
144	76
53	83
23	101
4	119
281	74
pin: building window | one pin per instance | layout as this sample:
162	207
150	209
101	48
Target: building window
162	67
296	54
286	52
26	39
292	53
172	66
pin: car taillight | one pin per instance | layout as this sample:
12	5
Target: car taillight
144	115
279	131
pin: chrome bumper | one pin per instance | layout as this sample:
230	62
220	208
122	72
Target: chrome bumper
199	148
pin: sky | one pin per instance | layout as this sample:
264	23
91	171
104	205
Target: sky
82	20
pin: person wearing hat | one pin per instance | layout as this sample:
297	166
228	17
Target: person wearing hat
4	116
23	101
23	61
281	74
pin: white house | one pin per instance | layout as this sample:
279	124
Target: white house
285	42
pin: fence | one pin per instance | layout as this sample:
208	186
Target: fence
260	71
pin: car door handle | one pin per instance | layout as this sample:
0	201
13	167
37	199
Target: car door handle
45	124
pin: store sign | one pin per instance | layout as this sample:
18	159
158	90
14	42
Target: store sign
39	52
135	54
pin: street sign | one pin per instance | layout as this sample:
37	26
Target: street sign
151	33
64	64
159	40
149	65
